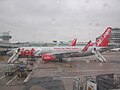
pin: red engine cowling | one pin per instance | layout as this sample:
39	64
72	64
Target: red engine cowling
48	57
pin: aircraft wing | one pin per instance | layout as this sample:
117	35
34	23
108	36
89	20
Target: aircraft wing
56	53
65	52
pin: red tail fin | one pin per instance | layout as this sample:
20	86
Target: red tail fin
103	40
86	47
74	42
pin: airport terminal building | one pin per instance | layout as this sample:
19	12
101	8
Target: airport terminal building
115	37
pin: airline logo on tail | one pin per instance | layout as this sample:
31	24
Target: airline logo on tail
103	40
74	42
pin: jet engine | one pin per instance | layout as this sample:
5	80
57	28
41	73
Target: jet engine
48	57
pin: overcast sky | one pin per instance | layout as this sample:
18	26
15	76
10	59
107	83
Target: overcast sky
47	20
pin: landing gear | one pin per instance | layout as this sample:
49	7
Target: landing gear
60	60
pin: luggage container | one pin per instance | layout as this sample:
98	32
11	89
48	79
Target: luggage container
10	69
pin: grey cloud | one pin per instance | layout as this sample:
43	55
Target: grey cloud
45	20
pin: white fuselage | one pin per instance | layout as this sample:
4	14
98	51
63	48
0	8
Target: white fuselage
38	51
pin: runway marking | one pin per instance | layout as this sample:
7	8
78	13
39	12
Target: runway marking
11	80
67	77
92	70
27	78
2	77
87	71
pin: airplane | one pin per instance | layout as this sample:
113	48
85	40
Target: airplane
26	50
73	42
60	52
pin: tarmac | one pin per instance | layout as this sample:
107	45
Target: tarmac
60	76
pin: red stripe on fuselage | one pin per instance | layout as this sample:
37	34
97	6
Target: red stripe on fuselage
66	48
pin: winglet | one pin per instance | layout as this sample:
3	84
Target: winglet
87	46
74	42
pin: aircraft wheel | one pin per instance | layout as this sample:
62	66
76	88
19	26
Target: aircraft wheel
60	60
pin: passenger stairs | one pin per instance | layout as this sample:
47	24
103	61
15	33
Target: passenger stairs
99	56
13	58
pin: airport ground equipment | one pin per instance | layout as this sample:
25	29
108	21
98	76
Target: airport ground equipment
76	83
99	56
29	68
14	57
22	70
89	83
10	69
100	82
108	82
